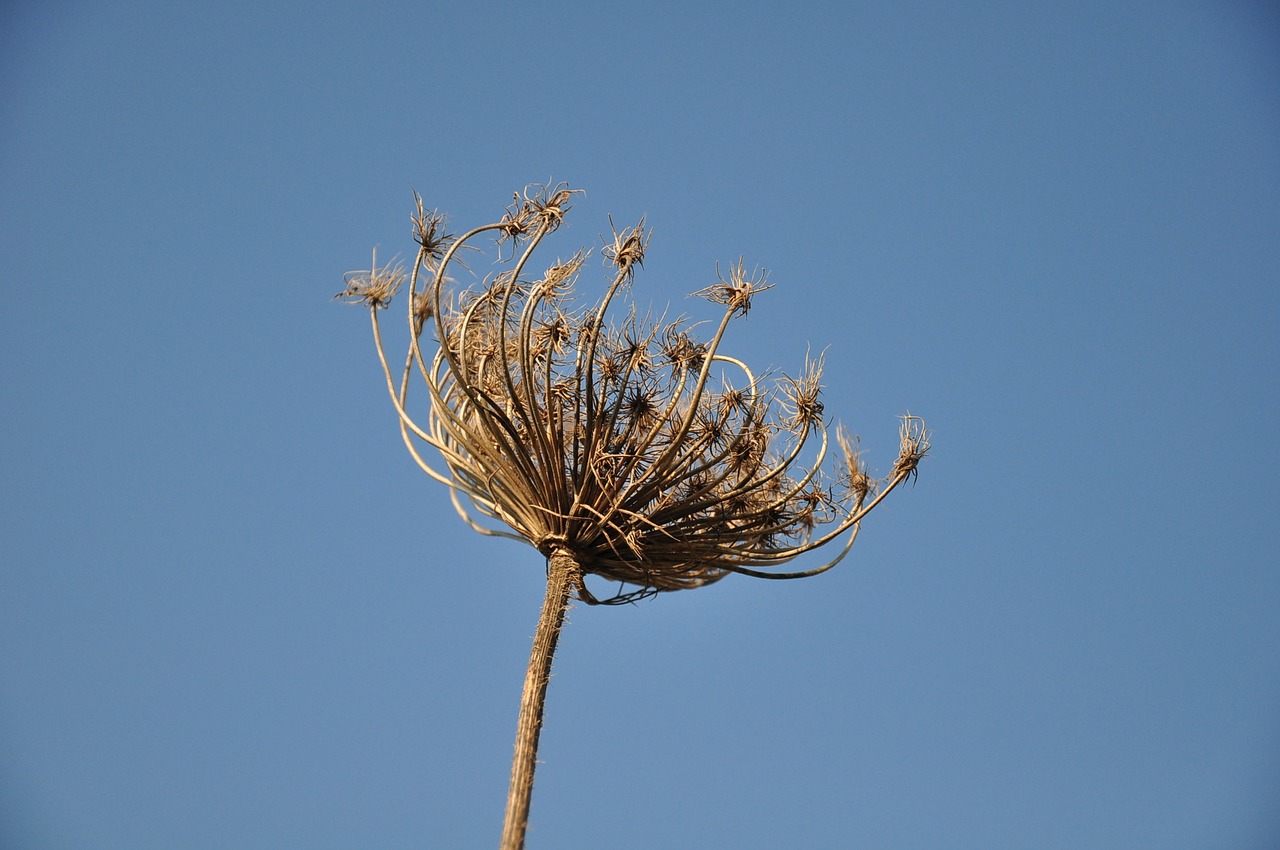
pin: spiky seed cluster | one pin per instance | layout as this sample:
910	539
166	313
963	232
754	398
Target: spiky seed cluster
736	291
375	287
658	461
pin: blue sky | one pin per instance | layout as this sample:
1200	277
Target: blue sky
234	614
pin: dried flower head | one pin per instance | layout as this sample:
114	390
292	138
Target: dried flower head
628	246
651	458
429	232
913	440
538	209
630	451
736	291
375	287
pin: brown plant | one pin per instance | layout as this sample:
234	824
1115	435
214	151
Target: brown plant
628	451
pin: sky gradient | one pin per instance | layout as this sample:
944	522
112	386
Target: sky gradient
233	613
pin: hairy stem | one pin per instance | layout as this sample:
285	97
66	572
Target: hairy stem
563	575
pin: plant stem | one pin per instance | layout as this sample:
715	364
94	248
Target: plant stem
563	575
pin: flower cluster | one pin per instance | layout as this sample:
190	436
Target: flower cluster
653	458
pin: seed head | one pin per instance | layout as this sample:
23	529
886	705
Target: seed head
375	286
628	247
913	446
737	290
660	462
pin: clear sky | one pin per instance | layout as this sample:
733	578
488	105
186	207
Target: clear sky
234	614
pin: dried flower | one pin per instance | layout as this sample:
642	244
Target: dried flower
375	287
633	453
736	292
573	435
628	246
913	446
428	231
